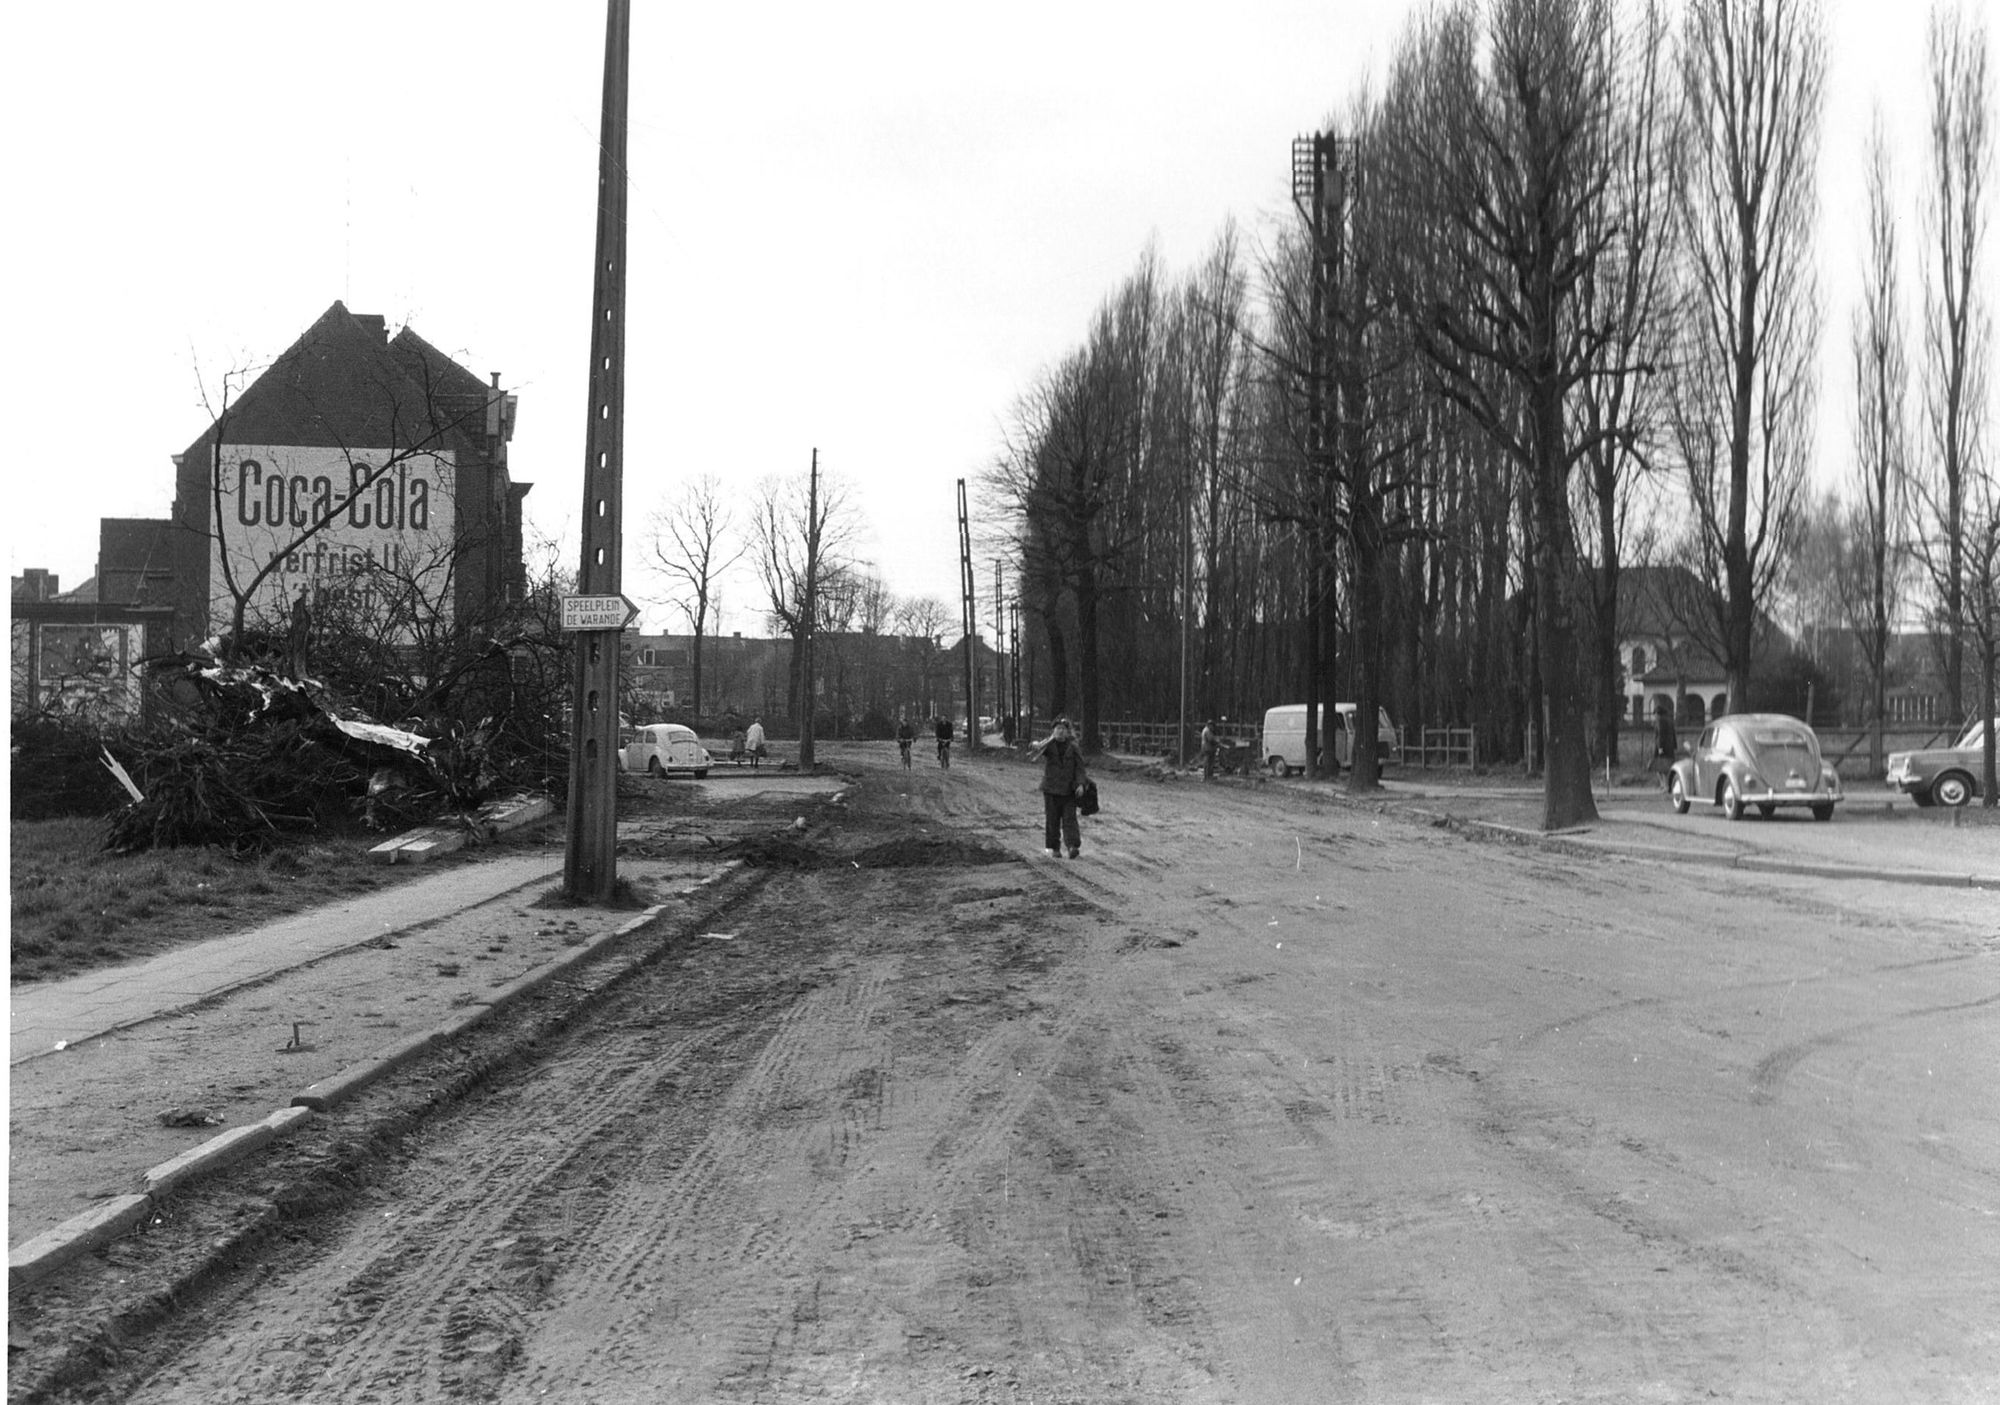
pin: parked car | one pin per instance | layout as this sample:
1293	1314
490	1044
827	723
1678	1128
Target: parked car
1284	740
1942	775
1764	759
662	749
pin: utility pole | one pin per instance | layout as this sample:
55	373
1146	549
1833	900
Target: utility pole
999	642
809	621
1187	603
590	857
969	615
1314	158
1021	728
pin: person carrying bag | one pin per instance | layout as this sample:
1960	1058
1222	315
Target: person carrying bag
1063	785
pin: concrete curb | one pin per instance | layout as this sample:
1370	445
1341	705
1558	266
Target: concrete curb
337	1089
215	1153
1569	842
47	1252
222	992
37	1258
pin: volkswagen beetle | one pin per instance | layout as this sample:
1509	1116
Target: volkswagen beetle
662	748
1764	759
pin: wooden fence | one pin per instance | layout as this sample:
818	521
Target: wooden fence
1428	748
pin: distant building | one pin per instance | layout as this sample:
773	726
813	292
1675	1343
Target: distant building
860	676
1663	649
72	653
360	472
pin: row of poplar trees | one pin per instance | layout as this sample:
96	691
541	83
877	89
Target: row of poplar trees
1550	303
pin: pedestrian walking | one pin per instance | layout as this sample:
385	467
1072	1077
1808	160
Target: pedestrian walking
1062	785
1666	745
1208	743
753	742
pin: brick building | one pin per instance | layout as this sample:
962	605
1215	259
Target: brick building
360	470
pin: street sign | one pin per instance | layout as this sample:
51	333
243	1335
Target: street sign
581	612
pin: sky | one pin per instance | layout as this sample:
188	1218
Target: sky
862	228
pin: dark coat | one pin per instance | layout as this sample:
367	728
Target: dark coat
1062	768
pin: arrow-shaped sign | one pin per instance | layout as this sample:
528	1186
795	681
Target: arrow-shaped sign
585	612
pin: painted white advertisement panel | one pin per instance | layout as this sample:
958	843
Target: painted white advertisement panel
383	549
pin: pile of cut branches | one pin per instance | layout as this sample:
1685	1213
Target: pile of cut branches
248	758
245	790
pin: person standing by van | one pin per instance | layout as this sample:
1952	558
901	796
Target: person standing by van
1062	786
1208	740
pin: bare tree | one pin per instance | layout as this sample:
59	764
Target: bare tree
875	604
1881	463
690	543
1075	459
1957	322
1504	154
1621	399
802	531
1983	559
1753	80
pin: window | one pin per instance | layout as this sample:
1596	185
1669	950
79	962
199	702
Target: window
1638	659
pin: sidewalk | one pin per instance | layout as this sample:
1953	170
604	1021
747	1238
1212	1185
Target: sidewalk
45	1018
1873	836
187	1063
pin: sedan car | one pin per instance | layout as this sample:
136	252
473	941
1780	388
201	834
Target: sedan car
1764	759
662	748
1942	775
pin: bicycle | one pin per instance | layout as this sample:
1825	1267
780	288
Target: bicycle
903	745
944	752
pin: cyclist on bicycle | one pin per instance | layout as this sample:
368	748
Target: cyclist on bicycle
905	734
944	742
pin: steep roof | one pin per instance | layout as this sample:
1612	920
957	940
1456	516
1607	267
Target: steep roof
1659	600
341	386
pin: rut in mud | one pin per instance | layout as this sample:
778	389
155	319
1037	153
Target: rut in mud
1261	1100
847	1074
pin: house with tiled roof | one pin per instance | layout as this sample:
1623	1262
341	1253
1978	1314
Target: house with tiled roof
1663	648
359	473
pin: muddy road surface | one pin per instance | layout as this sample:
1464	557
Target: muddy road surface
1265	1098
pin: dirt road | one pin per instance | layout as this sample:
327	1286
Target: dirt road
1263	1099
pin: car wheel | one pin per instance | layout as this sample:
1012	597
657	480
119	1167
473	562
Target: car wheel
1767	810
1953	788
1732	803
1277	767
653	769
1822	812
1676	794
701	775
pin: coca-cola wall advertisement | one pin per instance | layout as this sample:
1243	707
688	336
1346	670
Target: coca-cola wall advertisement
383	548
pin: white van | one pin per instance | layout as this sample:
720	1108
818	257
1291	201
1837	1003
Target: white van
663	747
1284	749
